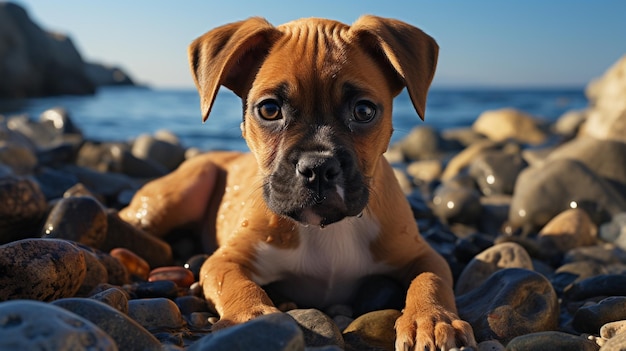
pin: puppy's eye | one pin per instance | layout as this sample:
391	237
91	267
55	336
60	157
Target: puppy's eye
364	111
269	110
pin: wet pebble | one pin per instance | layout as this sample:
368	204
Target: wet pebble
80	218
272	332
23	328
179	275
510	303
318	328
40	269
134	264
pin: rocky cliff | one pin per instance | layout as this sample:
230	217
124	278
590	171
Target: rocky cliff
34	62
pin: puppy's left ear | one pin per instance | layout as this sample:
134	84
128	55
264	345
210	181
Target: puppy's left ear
411	53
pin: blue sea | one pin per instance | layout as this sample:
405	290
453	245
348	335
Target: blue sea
122	113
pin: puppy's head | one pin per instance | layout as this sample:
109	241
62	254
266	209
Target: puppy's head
317	102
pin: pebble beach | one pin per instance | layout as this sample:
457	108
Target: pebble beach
530	216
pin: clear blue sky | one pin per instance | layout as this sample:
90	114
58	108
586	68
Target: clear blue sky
494	43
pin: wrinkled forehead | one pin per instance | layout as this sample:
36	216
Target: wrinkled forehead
317	56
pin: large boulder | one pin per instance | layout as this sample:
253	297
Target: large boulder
607	98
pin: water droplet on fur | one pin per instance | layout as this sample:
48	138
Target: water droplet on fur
244	223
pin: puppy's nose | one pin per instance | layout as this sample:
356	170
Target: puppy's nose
318	169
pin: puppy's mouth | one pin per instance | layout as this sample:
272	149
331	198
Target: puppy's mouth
318	189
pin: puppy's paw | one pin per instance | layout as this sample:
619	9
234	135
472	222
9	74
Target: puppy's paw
435	330
231	319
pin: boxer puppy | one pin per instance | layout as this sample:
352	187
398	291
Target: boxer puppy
315	207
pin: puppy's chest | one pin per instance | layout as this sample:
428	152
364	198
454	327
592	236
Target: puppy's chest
325	267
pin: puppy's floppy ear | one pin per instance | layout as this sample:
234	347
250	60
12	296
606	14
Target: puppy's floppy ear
229	55
411	53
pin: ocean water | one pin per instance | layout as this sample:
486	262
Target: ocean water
122	113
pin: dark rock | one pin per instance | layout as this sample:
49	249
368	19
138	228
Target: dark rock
95	275
162	288
493	259
22	207
272	332
601	285
190	304
542	192
81	218
163	152
118	275
155	313
122	234
317	327
377	293
194	264
34	325
589	319
551	341
512	302
114	297
54	183
454	203
495	172
117	157
423	142
21	159
607	158
127	333
40	269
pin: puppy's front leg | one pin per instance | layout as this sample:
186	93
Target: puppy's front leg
429	320
226	281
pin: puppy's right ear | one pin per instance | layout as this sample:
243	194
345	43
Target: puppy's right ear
229	55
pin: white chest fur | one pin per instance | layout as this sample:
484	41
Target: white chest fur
326	266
